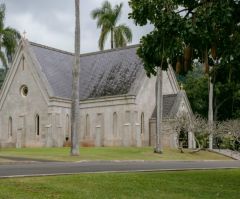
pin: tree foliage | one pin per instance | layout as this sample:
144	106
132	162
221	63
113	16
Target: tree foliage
107	19
195	83
187	29
207	31
8	39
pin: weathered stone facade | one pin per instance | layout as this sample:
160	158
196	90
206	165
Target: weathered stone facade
117	99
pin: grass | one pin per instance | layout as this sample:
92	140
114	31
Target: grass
108	153
170	185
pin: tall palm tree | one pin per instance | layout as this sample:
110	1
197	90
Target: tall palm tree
9	38
107	18
75	109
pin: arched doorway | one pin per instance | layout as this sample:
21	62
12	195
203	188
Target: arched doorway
183	138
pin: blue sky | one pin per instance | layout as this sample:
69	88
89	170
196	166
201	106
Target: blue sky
51	22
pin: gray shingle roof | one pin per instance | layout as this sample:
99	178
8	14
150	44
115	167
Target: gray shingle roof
106	73
168	103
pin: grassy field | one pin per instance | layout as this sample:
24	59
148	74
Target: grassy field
212	184
108	153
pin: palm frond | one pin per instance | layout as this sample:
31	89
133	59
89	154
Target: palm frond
122	35
103	38
10	41
117	12
106	6
2	15
3	60
107	18
96	13
14	32
126	32
101	14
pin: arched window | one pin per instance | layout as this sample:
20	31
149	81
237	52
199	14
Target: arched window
37	125
10	127
142	123
87	126
115	129
67	130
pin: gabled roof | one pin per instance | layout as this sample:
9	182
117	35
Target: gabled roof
168	104
106	73
171	105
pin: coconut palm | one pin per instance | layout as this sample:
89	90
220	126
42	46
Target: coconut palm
8	39
107	18
75	110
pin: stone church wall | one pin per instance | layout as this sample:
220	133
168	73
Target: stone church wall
18	112
169	136
114	122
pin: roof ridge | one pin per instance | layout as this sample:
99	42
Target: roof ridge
50	48
84	54
109	50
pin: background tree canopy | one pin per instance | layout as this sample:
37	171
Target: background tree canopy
8	43
206	31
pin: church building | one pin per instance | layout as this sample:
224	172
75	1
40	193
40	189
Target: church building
117	99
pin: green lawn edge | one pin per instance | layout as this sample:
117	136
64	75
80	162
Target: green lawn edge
202	184
106	153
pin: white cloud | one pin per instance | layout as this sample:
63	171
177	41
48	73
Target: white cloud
51	22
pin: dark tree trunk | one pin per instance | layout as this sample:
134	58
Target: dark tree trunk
112	39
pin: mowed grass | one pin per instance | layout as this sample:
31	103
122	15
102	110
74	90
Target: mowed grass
108	153
211	184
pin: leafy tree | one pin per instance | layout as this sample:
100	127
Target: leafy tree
75	109
8	39
206	30
226	95
107	18
196	86
231	129
158	46
2	76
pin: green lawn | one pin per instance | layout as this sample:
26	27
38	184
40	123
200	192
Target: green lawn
212	184
108	153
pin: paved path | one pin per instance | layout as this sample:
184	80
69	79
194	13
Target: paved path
233	154
60	168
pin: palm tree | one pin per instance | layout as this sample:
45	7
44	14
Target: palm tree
8	40
75	109
107	18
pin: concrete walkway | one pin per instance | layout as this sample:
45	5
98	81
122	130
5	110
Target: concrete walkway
232	154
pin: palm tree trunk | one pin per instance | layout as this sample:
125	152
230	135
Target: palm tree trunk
159	104
75	110
112	38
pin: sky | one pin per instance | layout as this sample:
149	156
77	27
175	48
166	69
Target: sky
51	22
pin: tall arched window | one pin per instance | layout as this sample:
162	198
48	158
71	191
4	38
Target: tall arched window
115	129
37	124
87	126
142	123
10	127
